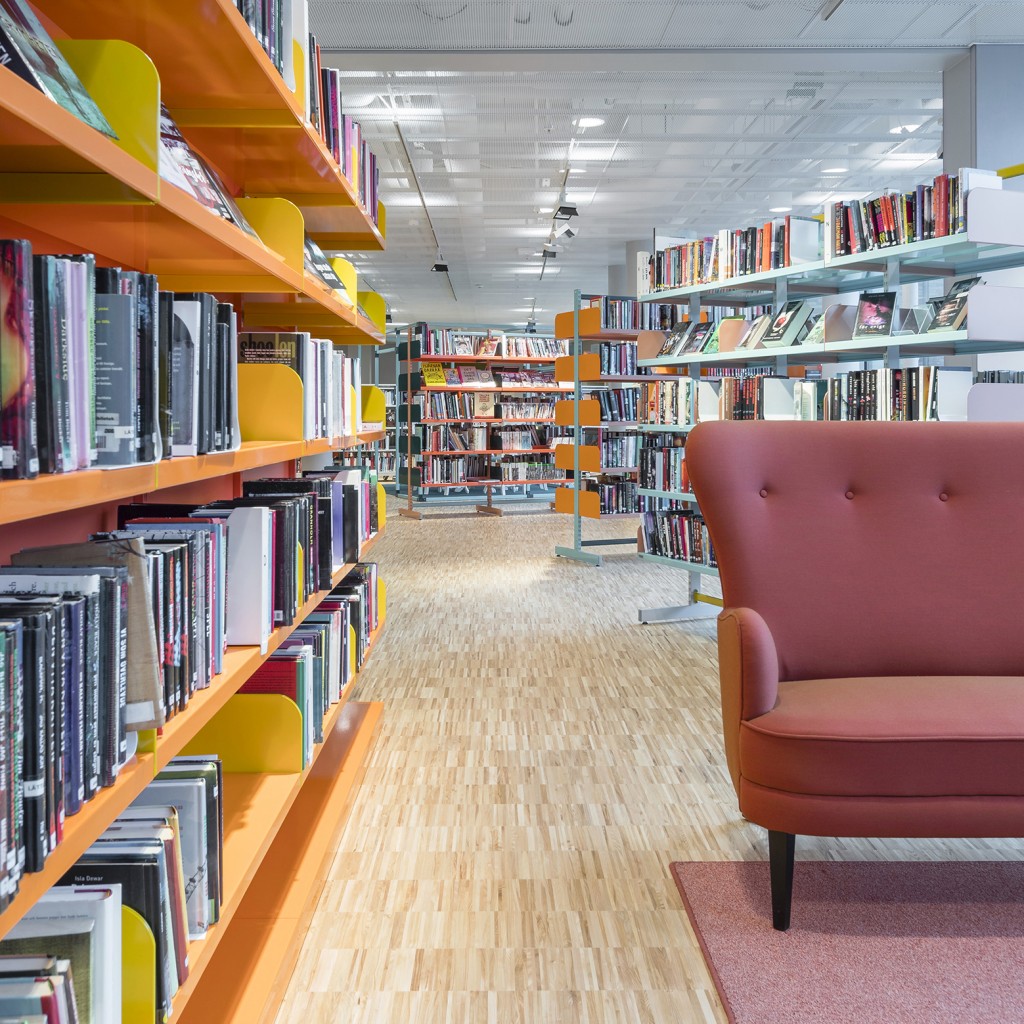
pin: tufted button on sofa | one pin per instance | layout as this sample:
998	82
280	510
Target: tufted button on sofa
871	646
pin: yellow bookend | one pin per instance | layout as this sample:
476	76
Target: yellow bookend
138	969
382	507
269	402
351	653
373	406
280	226
254	732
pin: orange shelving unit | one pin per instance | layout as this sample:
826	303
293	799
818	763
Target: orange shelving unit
67	188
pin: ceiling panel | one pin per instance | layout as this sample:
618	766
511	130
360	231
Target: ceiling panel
690	141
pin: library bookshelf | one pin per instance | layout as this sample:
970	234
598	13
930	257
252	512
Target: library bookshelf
585	326
67	188
992	240
416	350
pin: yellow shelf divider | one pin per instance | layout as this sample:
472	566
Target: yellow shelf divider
280	226
382	602
138	969
126	87
382	507
254	733
376	309
351	654
348	275
372	404
269	402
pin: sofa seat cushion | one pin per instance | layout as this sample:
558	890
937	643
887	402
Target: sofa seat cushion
890	736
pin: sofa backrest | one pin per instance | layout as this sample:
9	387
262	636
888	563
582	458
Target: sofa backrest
871	548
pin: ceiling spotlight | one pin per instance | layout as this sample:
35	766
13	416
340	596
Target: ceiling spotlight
549	252
566	211
589	122
388	318
440	266
566	232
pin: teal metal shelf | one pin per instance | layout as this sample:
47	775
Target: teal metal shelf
649	492
678	563
667	428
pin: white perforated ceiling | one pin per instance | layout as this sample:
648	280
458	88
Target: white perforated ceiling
691	141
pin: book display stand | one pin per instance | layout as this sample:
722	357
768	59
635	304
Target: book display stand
69	188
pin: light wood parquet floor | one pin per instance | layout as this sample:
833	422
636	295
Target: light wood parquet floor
542	759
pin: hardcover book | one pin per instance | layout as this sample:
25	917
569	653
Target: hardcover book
19	456
875	315
787	324
951	311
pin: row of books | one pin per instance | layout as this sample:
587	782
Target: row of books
482	438
164	855
931	210
437	375
451	406
669	401
512	471
783	242
663	466
680	534
875	316
105	637
445	341
342	135
620	451
618	358
619	497
618	405
330	378
100	368
625	314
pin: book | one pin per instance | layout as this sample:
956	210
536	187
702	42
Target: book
27	49
19	455
875	312
786	326
433	375
483	405
951	312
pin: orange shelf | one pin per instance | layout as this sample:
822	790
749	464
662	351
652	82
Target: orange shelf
370	436
590	327
248	977
39	136
521	389
59	492
495	451
230	101
80	832
255	808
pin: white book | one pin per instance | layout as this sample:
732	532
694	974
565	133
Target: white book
250	606
779	398
724	254
805	240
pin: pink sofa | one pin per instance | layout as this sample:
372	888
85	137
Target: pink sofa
871	646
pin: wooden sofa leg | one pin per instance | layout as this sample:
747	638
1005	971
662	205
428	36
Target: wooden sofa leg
781	846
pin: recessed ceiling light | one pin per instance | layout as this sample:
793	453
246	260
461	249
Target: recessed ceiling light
779	209
904	129
834	170
577	170
530	298
546	209
589	122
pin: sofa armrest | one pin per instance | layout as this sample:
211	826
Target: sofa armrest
748	667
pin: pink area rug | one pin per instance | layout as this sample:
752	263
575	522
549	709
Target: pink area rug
870	943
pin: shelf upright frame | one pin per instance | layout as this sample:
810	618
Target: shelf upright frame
407	510
576	552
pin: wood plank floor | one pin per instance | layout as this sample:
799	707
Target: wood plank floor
543	757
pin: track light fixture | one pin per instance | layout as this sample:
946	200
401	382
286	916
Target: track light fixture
440	267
